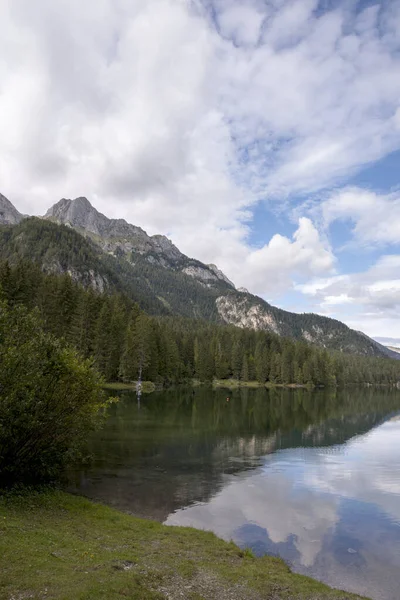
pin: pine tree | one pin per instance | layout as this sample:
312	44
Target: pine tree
143	340
275	374
101	349
127	367
117	328
252	368
261	360
244	375
287	374
236	359
83	322
221	362
205	361
308	377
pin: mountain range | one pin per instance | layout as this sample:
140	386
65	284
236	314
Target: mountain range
111	254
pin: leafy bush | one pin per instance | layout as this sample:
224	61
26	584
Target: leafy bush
49	400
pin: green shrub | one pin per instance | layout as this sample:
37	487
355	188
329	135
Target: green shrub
49	400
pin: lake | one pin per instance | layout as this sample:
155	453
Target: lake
312	477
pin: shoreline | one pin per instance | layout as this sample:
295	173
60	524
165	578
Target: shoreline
232	384
148	386
58	545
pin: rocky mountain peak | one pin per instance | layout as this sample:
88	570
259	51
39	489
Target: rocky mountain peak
8	213
116	236
81	214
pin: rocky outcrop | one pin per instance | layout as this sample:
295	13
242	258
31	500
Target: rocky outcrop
314	334
8	213
220	275
202	274
247	311
88	278
240	311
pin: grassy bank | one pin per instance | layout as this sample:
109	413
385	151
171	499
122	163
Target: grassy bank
147	386
231	384
57	546
235	383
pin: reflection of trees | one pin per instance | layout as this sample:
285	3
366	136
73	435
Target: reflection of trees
176	448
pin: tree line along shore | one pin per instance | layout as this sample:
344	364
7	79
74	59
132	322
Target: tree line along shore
126	344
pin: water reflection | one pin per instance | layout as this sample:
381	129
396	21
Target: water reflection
312	477
333	513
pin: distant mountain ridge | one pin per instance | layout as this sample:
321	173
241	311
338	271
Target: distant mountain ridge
112	254
394	349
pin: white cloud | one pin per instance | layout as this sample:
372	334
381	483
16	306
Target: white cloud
180	115
368	300
283	259
375	217
240	22
320	106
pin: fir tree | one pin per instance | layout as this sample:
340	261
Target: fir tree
244	375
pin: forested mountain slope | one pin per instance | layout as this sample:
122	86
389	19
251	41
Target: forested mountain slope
59	249
112	255
127	344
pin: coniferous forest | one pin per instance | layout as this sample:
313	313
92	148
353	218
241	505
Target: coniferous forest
125	343
163	288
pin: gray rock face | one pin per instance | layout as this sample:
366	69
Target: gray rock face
120	238
250	312
8	213
87	278
163	245
220	275
243	313
81	214
201	273
113	235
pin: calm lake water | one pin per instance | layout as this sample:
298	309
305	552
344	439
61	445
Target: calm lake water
313	477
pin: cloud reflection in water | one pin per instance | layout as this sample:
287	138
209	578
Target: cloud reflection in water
333	513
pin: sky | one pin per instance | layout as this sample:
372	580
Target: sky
259	135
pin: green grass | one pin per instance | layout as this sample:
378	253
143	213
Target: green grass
235	383
58	546
147	386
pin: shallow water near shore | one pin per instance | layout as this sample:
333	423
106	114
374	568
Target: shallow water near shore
312	477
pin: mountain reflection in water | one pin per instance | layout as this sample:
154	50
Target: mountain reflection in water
313	477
